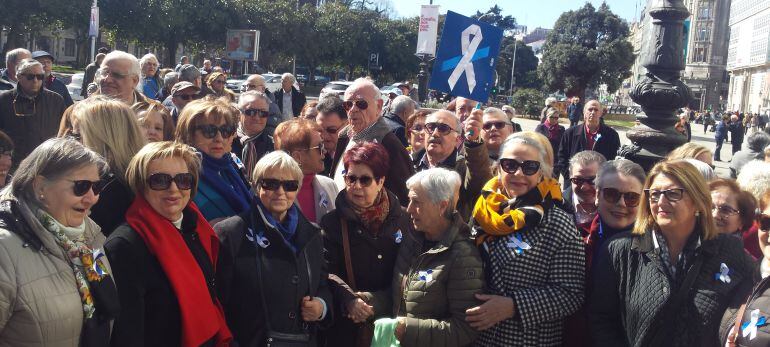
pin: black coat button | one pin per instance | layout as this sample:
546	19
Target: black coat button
294	279
292	315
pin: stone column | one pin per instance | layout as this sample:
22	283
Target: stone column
661	92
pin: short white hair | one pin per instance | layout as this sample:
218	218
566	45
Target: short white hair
25	65
134	69
755	178
149	57
440	184
289	77
13	56
550	100
704	169
365	82
401	104
523	138
278	160
494	111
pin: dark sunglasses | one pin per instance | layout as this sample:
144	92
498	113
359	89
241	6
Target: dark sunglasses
497	125
613	195
528	167
188	97
254	112
162	181
675	194
764	222
361	104
365	181
210	131
579	181
81	187
32	77
273	184
443	129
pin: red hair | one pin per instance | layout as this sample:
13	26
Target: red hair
370	154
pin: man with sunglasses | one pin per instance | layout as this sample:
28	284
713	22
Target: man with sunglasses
400	109
495	128
580	195
251	141
181	95
30	114
256	82
8	78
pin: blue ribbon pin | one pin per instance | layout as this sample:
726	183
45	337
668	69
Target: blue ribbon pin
98	253
516	241
750	328
426	276
323	201
723	274
398	236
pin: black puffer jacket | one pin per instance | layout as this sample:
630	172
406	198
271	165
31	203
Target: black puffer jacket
631	289
759	302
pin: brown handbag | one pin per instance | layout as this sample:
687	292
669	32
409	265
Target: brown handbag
365	330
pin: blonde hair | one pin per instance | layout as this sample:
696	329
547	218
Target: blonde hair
695	187
540	138
196	111
688	150
109	127
137	172
154	107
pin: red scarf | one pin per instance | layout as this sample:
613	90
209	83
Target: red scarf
554	132
201	318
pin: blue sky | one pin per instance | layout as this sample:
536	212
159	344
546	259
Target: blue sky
532	13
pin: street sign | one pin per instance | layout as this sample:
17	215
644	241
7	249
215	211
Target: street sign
465	64
242	45
427	31
93	22
374	61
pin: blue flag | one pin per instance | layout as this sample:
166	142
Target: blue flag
465	63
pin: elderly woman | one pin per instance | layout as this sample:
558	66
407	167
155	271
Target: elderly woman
361	239
283	296
155	121
56	286
754	179
309	111
692	150
551	129
209	126
550	104
733	208
165	255
651	286
150	84
533	255
109	127
415	124
216	83
6	158
302	140
438	273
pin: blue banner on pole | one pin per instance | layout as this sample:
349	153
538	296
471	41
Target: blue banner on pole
467	54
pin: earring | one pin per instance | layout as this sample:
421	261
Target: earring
697	213
42	197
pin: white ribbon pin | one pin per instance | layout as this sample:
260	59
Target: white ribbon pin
398	236
323	201
426	276
750	328
516	241
469	48
723	274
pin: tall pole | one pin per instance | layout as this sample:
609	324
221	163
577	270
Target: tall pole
93	38
513	63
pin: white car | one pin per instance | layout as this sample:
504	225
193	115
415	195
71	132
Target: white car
75	86
272	82
335	88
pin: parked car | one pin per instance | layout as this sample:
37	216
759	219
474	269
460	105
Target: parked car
321	79
335	88
234	83
75	85
272	82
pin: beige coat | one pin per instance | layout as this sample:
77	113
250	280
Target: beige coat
39	300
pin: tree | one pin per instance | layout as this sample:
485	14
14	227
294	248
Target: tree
525	70
22	17
528	101
585	49
496	18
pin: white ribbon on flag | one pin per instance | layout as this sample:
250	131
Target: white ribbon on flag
469	48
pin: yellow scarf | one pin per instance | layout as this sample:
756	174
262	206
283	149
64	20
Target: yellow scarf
495	214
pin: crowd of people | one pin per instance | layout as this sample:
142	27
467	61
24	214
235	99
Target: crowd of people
174	212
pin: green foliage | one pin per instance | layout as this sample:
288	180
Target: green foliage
586	48
528	101
496	18
525	71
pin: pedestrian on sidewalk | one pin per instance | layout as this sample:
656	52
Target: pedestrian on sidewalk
719	135
736	131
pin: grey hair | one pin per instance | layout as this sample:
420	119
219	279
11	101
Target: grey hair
755	178
549	100
12	57
401	104
134	70
170	79
278	160
288	76
620	166
757	141
523	138
440	184
497	113
704	169
53	159
585	158
250	96
146	58
188	73
363	81
26	65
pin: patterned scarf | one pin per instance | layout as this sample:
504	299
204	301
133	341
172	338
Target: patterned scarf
497	215
373	216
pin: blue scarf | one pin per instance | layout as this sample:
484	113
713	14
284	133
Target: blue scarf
287	228
221	175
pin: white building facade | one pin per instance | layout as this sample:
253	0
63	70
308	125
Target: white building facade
748	58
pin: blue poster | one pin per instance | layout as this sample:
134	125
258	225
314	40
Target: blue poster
465	63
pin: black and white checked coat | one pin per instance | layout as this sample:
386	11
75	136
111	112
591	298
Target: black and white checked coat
546	282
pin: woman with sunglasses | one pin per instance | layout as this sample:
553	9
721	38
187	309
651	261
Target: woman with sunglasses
209	126
270	276
533	256
165	255
217	82
56	285
669	281
109	127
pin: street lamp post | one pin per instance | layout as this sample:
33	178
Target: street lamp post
513	63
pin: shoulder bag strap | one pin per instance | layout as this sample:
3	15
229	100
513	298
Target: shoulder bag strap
346	248
259	260
676	302
732	337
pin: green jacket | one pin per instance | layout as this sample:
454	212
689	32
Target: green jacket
433	289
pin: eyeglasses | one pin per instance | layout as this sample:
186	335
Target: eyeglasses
497	125
32	77
364	180
103	73
672	195
764	221
162	181
417	128
613	195
272	184
443	129
320	148
361	104
187	97
23	107
528	167
209	131
251	112
725	210
81	187
579	181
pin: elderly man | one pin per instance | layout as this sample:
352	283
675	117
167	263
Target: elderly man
12	58
51	82
363	105
289	99
252	143
257	83
591	135
464	107
331	117
181	95
580	195
443	130
573	111
119	76
186	73
150	84
206	67
90	73
755	150
29	114
400	109
495	128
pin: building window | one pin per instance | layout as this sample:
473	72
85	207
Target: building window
699	55
703	32
704	10
69	47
